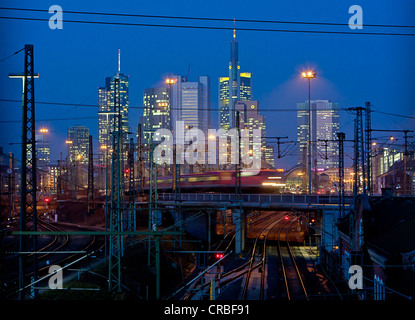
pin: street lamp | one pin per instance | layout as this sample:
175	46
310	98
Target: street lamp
170	81
43	130
176	175
309	75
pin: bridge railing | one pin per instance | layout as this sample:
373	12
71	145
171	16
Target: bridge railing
262	198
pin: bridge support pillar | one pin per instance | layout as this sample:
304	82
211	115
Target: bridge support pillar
239	222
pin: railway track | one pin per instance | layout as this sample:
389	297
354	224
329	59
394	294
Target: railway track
273	236
294	284
51	252
254	263
224	245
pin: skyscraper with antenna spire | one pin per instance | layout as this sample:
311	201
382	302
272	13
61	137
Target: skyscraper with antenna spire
236	87
106	107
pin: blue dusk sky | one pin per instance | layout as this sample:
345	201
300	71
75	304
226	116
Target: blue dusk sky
73	62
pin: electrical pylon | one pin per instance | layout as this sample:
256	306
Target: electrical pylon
28	185
368	142
91	196
238	169
177	192
154	218
117	199
131	187
140	161
359	154
341	136
359	186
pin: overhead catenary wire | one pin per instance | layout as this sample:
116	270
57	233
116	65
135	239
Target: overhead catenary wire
351	32
234	20
11	55
264	109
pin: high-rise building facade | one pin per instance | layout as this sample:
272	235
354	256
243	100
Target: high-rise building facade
236	87
250	119
79	146
106	108
42	151
245	86
191	103
156	113
324	129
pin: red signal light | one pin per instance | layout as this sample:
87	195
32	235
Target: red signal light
286	218
127	170
219	255
47	199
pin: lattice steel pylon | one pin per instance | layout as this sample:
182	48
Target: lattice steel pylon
341	136
154	217
359	176
152	197
359	154
177	192
140	161
28	185
131	187
368	143
91	194
238	165
117	197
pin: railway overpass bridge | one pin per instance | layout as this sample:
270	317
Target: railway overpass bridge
327	205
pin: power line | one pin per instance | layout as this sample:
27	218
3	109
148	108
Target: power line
209	18
142	108
263	109
50	120
213	27
393	114
11	55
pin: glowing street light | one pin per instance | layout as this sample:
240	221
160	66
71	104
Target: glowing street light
43	131
170	81
309	75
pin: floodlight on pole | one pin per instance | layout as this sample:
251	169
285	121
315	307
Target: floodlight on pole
309	74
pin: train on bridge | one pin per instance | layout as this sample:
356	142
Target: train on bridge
266	180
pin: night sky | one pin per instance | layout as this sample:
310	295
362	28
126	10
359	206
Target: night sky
73	62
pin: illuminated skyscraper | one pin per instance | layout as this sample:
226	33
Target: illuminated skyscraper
156	113
236	87
324	126
79	147
224	102
245	86
250	119
42	151
191	103
106	107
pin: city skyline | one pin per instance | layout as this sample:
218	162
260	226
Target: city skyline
277	82
244	151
